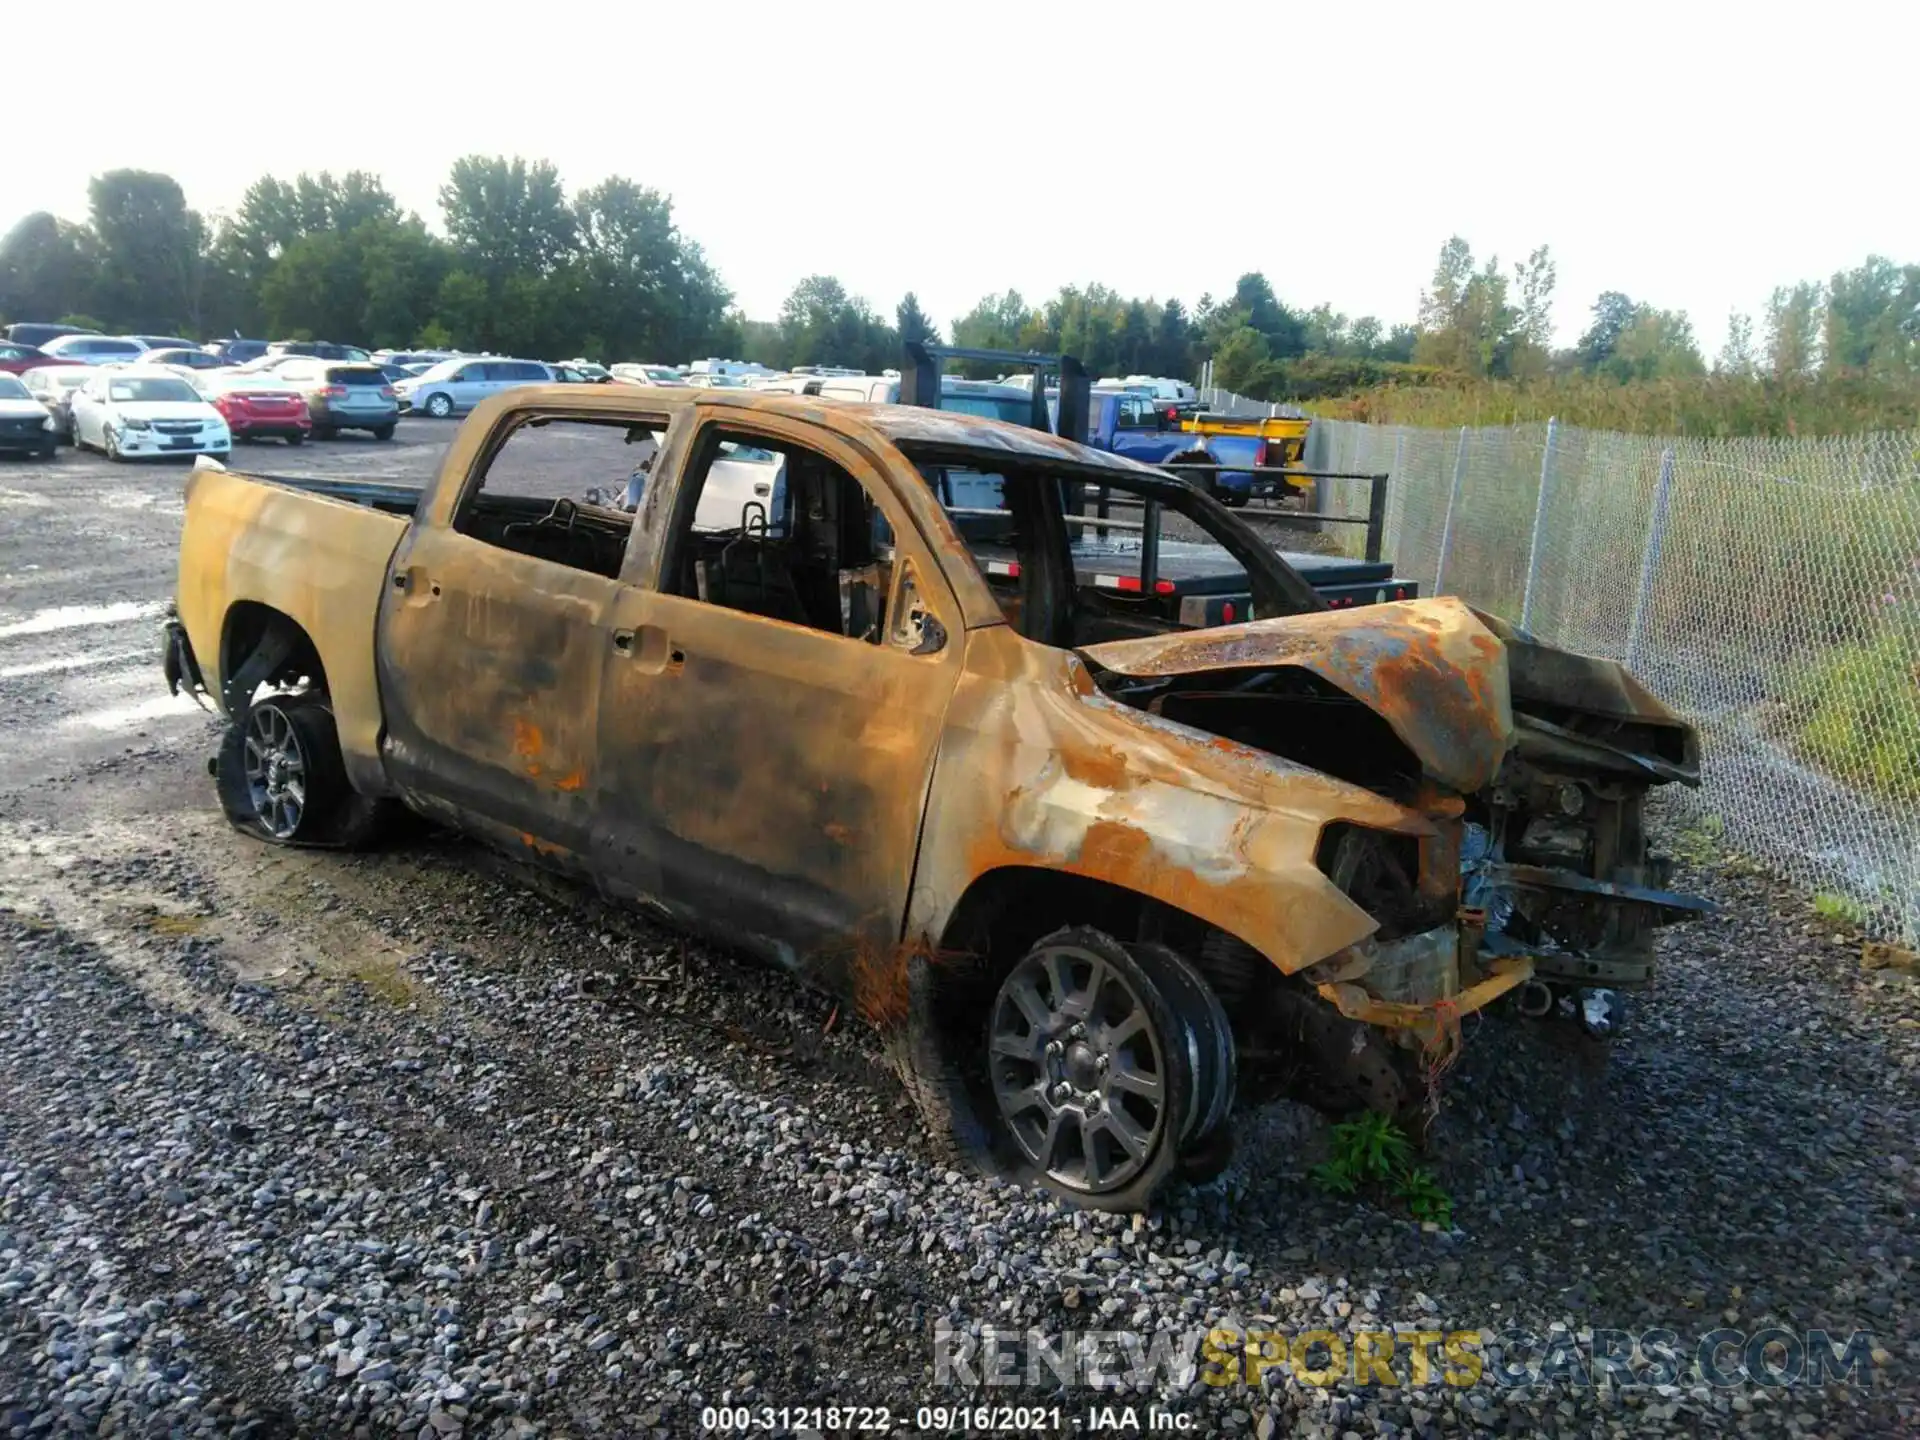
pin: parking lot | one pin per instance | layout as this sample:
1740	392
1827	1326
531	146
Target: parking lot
305	1143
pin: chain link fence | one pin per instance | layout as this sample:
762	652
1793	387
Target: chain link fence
1767	589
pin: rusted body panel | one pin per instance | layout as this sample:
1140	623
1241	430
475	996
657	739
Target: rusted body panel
1037	769
1430	668
317	560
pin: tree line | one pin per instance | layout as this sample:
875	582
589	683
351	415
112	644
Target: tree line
519	265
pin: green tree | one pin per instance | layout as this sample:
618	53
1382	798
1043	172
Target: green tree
640	287
46	268
377	283
1613	314
1872	320
152	251
1737	355
821	324
507	217
912	322
1658	345
1241	361
996	323
1532	342
1173	336
1466	321
1283	330
1793	331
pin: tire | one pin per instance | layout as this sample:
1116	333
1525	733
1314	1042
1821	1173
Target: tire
280	775
1209	1158
383	432
111	446
1072	1017
324	432
48	451
1209	1040
294	437
439	406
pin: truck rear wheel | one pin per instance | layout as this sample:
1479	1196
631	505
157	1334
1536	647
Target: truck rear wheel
279	771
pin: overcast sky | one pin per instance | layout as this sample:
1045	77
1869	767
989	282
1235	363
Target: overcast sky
1692	155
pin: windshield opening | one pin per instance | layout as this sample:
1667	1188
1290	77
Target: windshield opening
12	389
149	391
1015	411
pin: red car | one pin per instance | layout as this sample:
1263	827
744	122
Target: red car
17	359
255	408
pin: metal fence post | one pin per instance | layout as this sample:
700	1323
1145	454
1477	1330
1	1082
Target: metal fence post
1446	525
1650	558
1539	526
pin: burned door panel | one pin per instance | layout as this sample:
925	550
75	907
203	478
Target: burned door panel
762	773
489	675
764	780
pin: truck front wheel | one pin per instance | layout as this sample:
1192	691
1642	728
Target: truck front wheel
1106	1064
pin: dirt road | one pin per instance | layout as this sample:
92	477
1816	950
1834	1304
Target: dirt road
404	1144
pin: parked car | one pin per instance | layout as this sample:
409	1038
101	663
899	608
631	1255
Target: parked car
53	386
18	359
164	342
257	407
409	358
32	332
267	364
587	369
236	351
636	374
184	359
95	349
318	349
570	374
25	426
455	386
342	396
136	411
394	373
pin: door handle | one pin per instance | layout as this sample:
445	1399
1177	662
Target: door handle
649	649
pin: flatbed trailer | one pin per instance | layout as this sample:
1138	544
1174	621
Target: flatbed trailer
1121	556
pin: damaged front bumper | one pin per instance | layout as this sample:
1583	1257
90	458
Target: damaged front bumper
1420	985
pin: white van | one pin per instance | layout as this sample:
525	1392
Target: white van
1173	392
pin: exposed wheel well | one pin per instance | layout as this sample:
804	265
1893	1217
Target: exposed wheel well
249	628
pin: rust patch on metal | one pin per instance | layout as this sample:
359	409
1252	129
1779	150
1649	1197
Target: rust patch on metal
881	978
543	847
571	782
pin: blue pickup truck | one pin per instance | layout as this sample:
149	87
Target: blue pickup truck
1132	425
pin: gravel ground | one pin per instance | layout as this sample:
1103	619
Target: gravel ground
411	1144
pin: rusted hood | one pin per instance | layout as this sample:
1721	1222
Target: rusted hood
1429	668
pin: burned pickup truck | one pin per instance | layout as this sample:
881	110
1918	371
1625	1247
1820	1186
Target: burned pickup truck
1094	877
